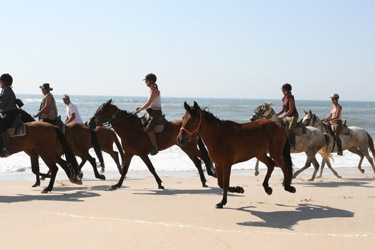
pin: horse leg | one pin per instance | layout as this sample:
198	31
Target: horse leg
83	162
270	167
307	164
53	168
361	156
369	159
115	157
127	159
225	184
256	170
198	164
34	158
94	167
150	167
316	168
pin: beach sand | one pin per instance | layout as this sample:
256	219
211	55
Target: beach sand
329	213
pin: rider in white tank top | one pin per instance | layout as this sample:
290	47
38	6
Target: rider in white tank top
156	103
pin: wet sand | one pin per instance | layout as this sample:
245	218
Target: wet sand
329	213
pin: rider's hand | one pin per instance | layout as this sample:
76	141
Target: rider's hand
36	115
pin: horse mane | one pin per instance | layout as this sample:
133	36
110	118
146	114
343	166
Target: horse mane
209	117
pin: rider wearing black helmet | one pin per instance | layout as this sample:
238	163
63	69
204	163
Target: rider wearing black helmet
334	119
9	111
153	107
291	116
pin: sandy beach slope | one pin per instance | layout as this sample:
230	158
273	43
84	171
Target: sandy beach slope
327	214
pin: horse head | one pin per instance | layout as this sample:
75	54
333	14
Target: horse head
105	113
191	124
264	111
309	119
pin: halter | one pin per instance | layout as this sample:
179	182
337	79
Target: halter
107	120
195	131
269	116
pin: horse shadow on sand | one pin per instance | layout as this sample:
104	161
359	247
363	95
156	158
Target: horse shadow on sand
80	194
349	182
288	219
208	191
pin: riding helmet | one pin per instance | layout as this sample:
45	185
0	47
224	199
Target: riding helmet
286	86
335	96
6	79
150	77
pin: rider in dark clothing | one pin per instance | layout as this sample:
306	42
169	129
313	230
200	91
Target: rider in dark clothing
9	111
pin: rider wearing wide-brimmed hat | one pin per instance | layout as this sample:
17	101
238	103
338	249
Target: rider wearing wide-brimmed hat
334	119
153	107
48	109
9	111
291	114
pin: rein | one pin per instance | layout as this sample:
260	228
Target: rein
195	131
107	120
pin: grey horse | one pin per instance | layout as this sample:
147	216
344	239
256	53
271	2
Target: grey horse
358	141
312	142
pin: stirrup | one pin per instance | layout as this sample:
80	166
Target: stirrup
5	153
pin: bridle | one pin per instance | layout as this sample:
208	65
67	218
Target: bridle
106	120
195	131
269	116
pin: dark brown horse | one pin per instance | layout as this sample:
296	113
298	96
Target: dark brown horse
81	139
135	141
229	143
106	138
46	141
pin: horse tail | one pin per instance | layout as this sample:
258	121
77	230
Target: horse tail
324	151
288	163
206	159
98	150
71	160
371	145
119	147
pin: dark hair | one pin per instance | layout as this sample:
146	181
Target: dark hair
151	77
6	79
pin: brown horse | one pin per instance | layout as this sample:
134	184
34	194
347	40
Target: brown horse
135	141
46	141
81	139
229	143
106	138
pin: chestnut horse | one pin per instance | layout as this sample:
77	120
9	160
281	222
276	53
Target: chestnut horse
47	141
135	141
80	139
106	138
229	143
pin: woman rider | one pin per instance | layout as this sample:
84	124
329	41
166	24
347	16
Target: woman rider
291	116
153	107
334	119
8	109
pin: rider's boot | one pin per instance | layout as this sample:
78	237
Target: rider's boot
6	150
339	147
154	145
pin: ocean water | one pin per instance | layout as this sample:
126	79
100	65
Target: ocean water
361	114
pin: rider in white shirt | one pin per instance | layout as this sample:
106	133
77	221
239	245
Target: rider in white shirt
72	114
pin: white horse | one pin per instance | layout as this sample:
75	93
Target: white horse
358	141
312	142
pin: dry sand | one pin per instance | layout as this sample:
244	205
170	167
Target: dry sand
326	214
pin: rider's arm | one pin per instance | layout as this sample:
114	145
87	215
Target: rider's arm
328	118
282	111
4	98
291	107
45	108
153	95
68	120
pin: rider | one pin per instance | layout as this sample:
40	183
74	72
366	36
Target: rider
72	113
334	119
153	107
291	116
48	110
9	110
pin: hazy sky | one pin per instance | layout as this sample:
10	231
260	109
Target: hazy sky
234	49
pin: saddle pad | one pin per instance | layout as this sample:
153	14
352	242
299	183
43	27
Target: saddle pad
20	130
160	124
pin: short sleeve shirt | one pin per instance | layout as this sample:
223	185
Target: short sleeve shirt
72	109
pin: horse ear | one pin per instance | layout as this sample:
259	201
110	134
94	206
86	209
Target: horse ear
187	107
310	112
305	112
196	106
109	102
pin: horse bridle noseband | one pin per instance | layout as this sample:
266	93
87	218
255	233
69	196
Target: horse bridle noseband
269	116
107	120
195	131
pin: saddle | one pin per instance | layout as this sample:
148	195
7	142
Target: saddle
299	129
159	125
344	128
18	128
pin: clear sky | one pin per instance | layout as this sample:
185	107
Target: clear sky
224	49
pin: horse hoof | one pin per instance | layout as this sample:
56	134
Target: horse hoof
339	176
362	171
161	187
311	179
290	189
102	177
80	175
76	181
240	190
256	173
35	185
219	205
269	191
42	178
112	188
204	185
45	191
